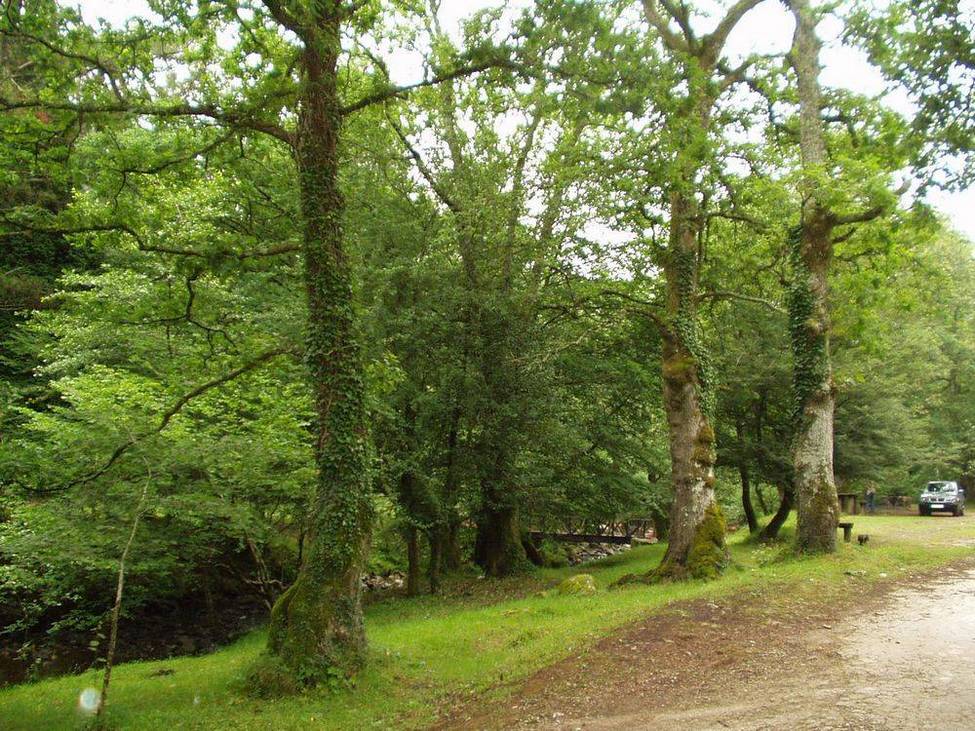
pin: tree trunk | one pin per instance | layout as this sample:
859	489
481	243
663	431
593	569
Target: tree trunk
117	606
761	408
452	559
695	545
413	561
450	538
812	250
435	538
746	497
771	531
498	549
746	491
316	625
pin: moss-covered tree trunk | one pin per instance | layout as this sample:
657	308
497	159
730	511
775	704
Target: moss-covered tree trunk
818	508
812	250
498	548
695	546
316	626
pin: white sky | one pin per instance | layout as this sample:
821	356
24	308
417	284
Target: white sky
767	28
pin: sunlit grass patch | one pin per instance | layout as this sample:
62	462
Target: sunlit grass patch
428	649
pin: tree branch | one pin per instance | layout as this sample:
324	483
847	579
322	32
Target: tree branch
141	243
646	308
717	38
859	217
393	91
727	295
660	24
427	174
181	109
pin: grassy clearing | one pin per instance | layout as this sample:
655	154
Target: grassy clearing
484	638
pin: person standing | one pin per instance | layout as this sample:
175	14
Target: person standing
871	499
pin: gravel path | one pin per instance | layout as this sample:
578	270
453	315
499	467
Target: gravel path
900	656
907	665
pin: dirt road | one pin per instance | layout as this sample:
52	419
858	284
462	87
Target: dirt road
909	665
902	659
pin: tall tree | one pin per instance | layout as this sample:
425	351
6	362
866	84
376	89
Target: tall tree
811	251
316	626
696	538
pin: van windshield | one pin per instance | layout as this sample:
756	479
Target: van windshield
940	487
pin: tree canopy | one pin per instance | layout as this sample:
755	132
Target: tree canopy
275	313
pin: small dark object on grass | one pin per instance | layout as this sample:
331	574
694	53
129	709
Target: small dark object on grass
160	672
862	539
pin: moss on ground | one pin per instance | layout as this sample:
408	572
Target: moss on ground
578	585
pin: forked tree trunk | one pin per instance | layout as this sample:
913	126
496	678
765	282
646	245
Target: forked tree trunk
812	250
771	531
746	485
316	625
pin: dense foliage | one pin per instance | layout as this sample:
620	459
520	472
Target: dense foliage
277	310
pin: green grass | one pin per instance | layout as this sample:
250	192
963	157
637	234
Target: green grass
426	652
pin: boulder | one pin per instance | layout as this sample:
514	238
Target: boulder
578	585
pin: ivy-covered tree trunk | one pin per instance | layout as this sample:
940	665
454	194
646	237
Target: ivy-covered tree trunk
818	508
498	548
695	546
316	626
812	250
